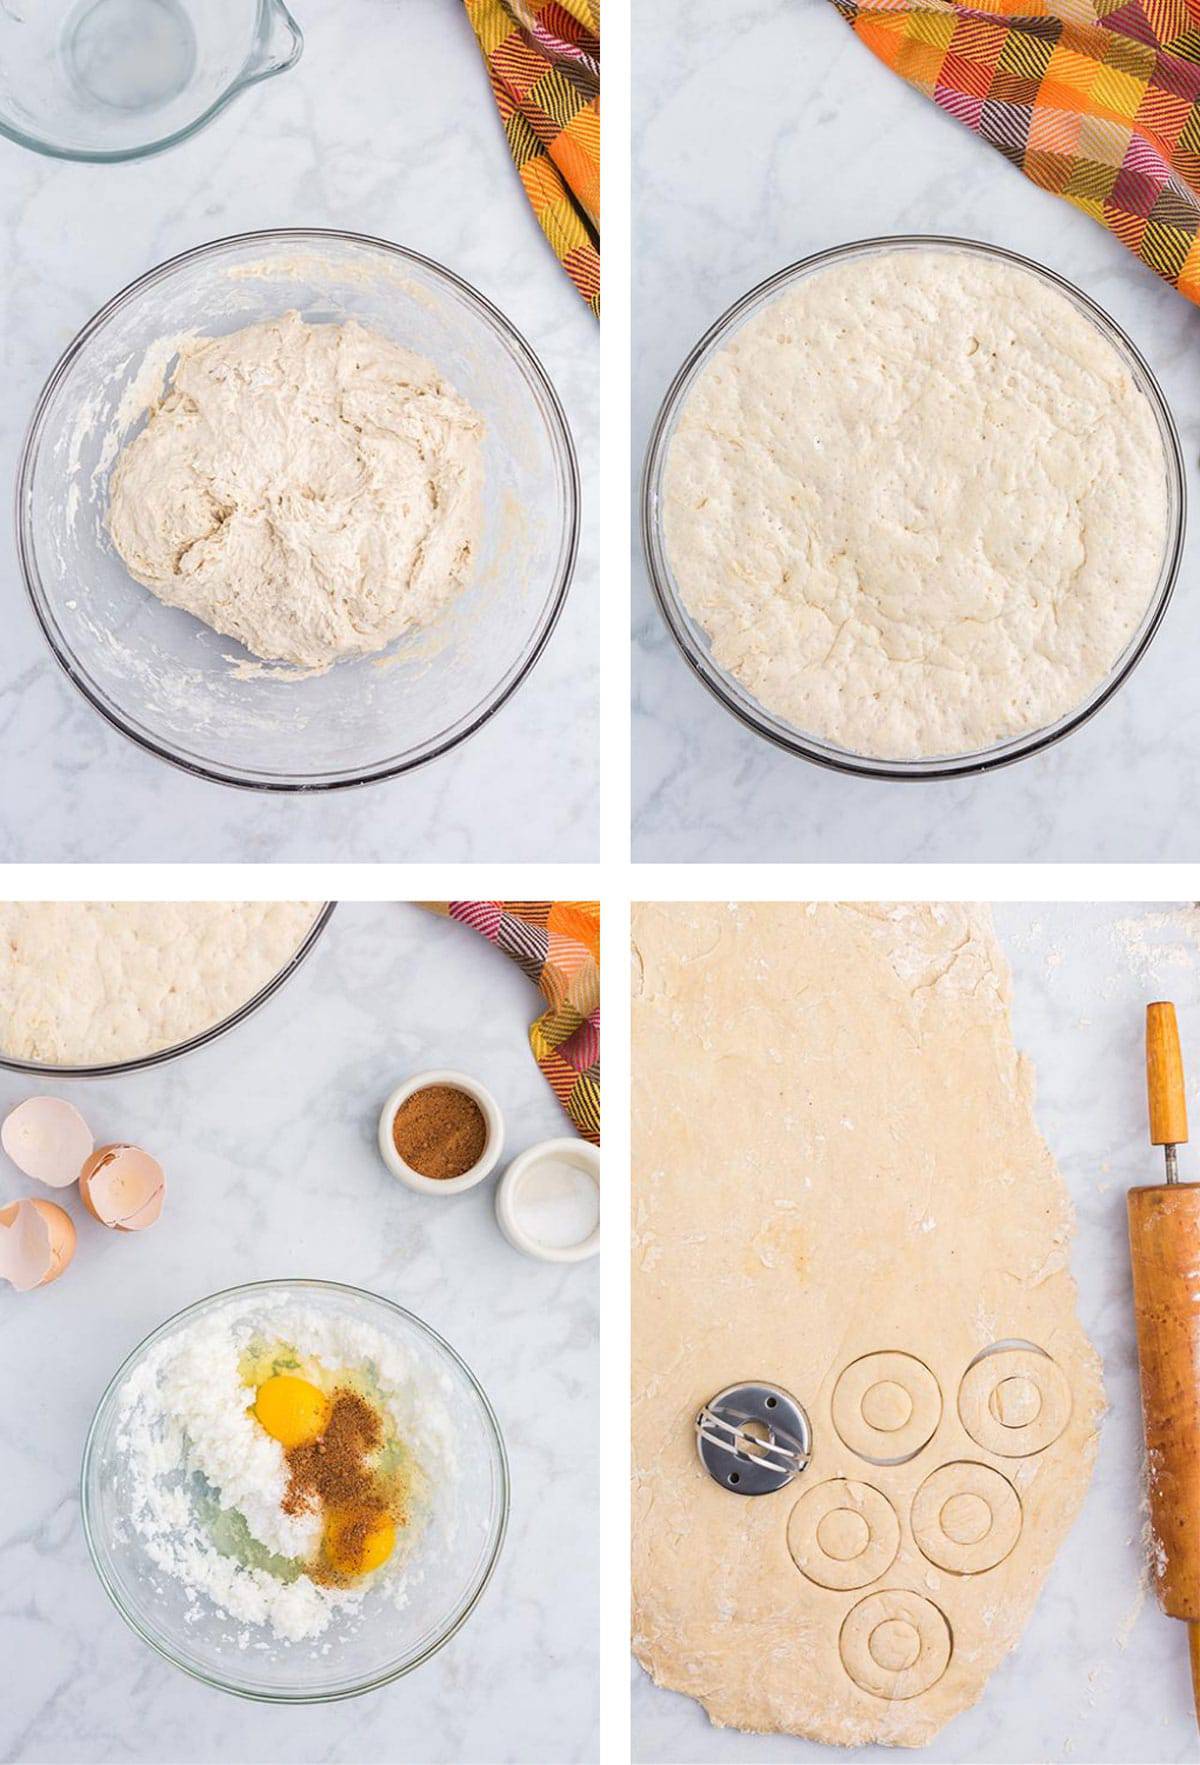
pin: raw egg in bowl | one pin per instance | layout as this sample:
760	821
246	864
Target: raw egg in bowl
296	1491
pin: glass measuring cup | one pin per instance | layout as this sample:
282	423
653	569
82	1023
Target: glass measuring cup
116	79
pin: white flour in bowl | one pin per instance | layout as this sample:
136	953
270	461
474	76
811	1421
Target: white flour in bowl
205	1483
918	503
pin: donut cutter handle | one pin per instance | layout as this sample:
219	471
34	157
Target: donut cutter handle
753	1439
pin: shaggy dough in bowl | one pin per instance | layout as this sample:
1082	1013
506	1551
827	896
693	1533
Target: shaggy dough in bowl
918	504
311	490
92	983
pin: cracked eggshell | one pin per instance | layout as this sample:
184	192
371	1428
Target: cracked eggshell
122	1187
37	1241
48	1140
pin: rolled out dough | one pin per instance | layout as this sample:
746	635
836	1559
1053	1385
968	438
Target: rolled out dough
841	1190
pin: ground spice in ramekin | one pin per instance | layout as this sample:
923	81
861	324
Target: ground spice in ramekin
332	1473
440	1132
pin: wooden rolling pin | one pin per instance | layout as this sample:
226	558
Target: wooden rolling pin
1164	1247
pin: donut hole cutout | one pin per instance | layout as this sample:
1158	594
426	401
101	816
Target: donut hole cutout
895	1644
966	1517
886	1407
843	1535
1014	1400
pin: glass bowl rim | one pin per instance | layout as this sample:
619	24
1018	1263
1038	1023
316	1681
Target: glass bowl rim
562	445
160	1056
775	729
247	76
462	1612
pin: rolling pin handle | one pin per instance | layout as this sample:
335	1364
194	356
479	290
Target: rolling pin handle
1165	1090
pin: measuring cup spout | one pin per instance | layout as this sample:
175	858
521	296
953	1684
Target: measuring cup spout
280	43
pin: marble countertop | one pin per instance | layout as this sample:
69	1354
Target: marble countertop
386	126
1099	1675
766	132
268	1140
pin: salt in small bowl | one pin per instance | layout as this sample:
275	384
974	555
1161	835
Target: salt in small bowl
515	1219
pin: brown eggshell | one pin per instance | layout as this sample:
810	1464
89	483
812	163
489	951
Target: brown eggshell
47	1139
122	1187
37	1241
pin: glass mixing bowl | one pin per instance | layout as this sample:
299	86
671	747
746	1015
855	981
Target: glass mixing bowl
691	637
451	1559
174	685
10	1063
106	80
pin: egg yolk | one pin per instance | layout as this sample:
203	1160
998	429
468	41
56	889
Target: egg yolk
292	1411
355	1547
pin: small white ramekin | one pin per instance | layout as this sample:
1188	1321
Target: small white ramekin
580	1153
493	1145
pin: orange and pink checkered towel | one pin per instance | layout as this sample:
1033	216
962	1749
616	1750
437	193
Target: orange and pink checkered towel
557	944
543	61
1095	100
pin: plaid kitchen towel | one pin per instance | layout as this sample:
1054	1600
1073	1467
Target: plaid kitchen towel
1096	100
557	944
543	60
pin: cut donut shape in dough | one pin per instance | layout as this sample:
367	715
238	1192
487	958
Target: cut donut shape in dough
966	1517
895	1645
1014	1401
843	1534
839	1183
886	1407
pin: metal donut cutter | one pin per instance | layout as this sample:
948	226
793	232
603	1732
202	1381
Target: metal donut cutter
753	1439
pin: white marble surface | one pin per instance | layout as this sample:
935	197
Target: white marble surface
386	126
267	1137
1100	1675
763	133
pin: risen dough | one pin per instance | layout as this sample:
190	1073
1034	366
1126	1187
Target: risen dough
86	983
837	1167
918	504
311	490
